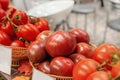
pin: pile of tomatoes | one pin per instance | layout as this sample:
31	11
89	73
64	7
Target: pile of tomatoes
17	28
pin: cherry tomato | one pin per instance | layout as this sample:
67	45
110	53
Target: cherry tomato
84	68
61	66
19	17
17	43
60	43
84	49
99	75
80	35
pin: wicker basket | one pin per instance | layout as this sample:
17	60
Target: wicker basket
18	54
61	77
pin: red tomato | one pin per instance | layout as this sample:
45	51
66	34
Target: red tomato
10	11
2	15
44	67
36	51
99	75
17	43
80	35
60	43
19	17
84	68
42	24
5	4
44	35
84	49
8	28
4	38
28	32
76	57
105	52
61	66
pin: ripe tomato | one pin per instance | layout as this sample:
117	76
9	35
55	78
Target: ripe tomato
28	32
84	49
5	4
61	66
4	38
19	17
60	43
80	35
2	15
10	11
44	35
105	52
84	68
99	75
17	43
8	28
42	24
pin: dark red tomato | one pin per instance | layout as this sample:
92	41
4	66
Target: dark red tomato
80	35
36	51
5	4
106	52
17	43
2	15
8	28
28	32
60	43
44	67
76	57
84	49
44	35
20	17
99	75
4	39
42	24
84	68
61	66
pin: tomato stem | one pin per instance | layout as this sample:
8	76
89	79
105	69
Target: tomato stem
117	78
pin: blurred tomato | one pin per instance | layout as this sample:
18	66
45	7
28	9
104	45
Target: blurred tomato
5	4
2	15
61	66
17	43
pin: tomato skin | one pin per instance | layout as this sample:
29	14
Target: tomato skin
17	43
84	49
84	68
60	43
19	17
99	75
42	24
5	4
28	32
61	66
4	39
80	35
7	27
2	15
105	52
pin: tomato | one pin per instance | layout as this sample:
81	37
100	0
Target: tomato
61	66
4	38
17	43
19	17
60	43
28	32
10	11
36	51
80	35
42	24
5	4
44	35
44	67
84	68
84	49
8	28
106	52
76	57
2	15
99	75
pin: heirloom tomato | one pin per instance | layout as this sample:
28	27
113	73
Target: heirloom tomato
61	66
84	68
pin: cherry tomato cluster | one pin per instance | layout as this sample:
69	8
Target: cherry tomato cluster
17	28
69	53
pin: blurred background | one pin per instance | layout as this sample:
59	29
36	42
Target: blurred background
100	18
